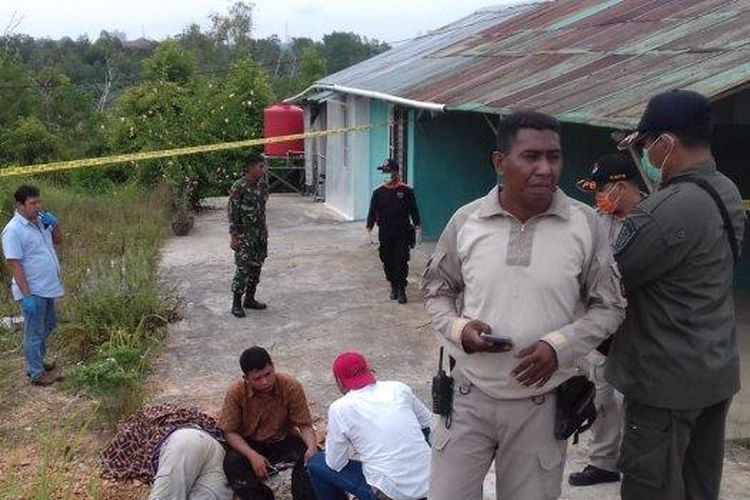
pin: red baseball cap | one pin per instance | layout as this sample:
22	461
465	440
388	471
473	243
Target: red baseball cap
351	369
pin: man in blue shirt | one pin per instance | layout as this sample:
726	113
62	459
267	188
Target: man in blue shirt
29	241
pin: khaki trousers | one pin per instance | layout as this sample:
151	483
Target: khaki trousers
517	434
606	431
190	467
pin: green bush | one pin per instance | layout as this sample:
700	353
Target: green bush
110	369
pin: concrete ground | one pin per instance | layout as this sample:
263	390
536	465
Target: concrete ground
326	294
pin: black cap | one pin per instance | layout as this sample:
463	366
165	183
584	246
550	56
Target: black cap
390	166
671	112
254	156
609	168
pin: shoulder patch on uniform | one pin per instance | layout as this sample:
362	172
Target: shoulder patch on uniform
625	237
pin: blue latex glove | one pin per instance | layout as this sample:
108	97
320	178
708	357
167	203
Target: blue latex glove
28	305
48	219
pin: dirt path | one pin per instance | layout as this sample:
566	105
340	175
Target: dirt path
326	294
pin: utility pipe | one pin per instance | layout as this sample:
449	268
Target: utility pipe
430	106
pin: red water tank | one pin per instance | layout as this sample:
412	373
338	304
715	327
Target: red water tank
283	119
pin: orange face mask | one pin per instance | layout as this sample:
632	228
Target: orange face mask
605	203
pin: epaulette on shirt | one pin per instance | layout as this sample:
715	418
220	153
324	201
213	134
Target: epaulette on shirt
652	203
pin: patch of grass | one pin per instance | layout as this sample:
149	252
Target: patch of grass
113	313
57	463
11	483
111	323
114	374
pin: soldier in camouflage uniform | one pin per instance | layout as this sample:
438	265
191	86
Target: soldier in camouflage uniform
249	235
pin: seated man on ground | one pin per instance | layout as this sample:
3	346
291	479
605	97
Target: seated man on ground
266	421
385	425
176	449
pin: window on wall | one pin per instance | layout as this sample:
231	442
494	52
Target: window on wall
397	144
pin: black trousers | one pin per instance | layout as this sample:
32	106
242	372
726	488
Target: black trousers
247	486
672	454
394	254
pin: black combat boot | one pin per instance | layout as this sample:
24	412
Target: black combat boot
237	306
250	302
593	475
394	292
402	295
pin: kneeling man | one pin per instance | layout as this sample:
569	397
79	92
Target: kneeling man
385	425
266	421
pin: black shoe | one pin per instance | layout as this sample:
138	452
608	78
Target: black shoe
394	292
237	310
251	303
402	296
593	475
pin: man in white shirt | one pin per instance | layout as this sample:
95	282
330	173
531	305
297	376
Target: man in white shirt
29	241
532	269
384	425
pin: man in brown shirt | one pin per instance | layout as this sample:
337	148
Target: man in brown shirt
266	421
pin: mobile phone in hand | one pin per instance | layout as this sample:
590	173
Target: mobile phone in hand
497	340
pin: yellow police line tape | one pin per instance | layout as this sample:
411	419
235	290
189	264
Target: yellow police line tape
192	150
166	153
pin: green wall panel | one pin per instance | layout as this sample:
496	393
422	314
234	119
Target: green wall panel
451	165
411	133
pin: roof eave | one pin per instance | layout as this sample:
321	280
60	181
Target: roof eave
616	123
402	101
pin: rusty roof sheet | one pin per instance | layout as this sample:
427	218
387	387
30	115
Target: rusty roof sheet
585	61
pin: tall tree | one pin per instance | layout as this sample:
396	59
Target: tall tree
236	27
344	49
170	63
312	66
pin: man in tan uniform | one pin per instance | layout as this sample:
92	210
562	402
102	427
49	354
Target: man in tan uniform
530	265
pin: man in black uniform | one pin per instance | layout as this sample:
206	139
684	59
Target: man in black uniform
394	208
675	357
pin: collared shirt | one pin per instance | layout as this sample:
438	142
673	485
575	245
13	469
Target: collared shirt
265	417
393	207
246	208
382	424
552	278
30	244
677	348
613	224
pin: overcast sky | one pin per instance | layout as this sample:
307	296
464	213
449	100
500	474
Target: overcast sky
389	20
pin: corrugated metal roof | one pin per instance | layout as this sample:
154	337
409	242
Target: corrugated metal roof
586	61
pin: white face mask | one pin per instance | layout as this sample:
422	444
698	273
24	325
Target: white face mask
653	172
387	178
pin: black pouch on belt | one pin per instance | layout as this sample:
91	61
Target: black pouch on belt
575	407
442	392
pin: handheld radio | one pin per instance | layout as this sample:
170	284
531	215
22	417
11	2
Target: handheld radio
442	391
